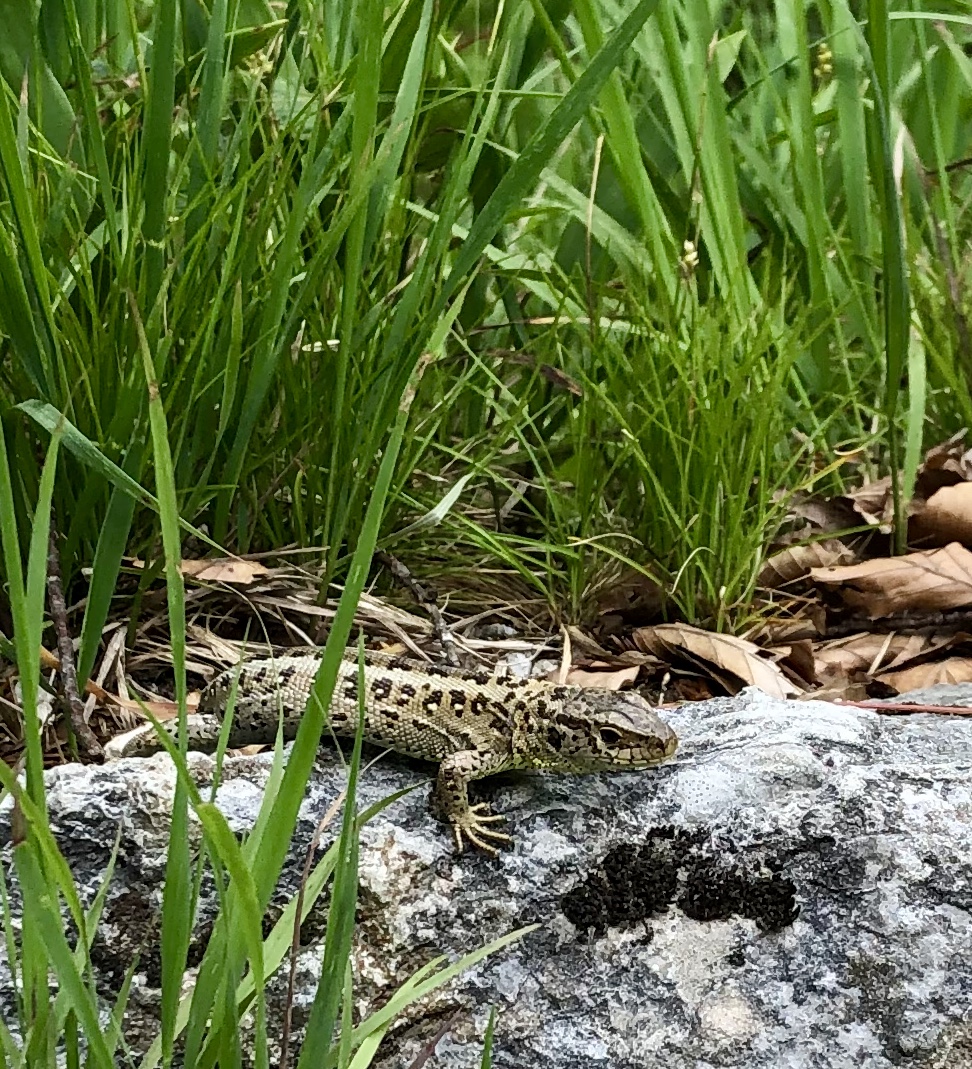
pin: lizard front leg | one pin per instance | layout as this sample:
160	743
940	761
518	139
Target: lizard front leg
452	797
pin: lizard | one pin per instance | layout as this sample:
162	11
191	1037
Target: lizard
473	723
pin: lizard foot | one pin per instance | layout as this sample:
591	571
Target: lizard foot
473	824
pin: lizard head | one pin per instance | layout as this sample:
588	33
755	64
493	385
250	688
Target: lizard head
604	730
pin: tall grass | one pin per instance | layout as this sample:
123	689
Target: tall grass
810	215
283	229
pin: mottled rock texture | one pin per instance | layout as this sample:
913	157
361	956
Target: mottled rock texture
793	890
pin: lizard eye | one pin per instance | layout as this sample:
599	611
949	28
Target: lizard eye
610	736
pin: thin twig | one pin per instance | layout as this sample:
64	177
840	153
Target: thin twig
908	707
87	743
426	598
429	1049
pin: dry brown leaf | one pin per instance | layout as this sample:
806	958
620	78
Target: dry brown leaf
945	517
928	582
645	661
871	654
944	465
608	680
951	670
950	458
584	645
925	645
863	654
161	710
797	659
217	569
733	661
826	514
796	562
224	570
873	502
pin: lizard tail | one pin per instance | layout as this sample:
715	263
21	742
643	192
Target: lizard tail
203	734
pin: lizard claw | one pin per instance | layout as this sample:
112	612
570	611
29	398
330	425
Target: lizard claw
473	825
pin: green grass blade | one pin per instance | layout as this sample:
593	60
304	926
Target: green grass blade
43	332
487	1059
623	142
160	99
41	912
177	900
340	916
412	991
525	170
88	453
244	899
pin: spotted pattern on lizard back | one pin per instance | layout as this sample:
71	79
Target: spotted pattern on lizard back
472	723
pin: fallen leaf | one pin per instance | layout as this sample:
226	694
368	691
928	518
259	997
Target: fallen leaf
951	670
796	562
873	502
734	662
161	710
944	464
945	517
797	658
863	654
607	680
929	582
584	645
224	570
827	514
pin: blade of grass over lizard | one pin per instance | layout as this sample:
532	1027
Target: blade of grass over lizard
340	916
178	905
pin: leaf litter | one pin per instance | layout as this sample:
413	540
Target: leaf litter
839	619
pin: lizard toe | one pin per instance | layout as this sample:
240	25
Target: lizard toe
474	826
482	814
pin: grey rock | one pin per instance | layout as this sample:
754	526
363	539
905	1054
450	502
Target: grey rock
793	890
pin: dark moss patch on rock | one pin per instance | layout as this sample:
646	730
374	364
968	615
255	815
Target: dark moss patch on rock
682	868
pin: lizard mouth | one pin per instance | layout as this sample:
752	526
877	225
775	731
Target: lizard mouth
661	750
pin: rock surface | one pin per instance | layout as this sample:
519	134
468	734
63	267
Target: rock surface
794	890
